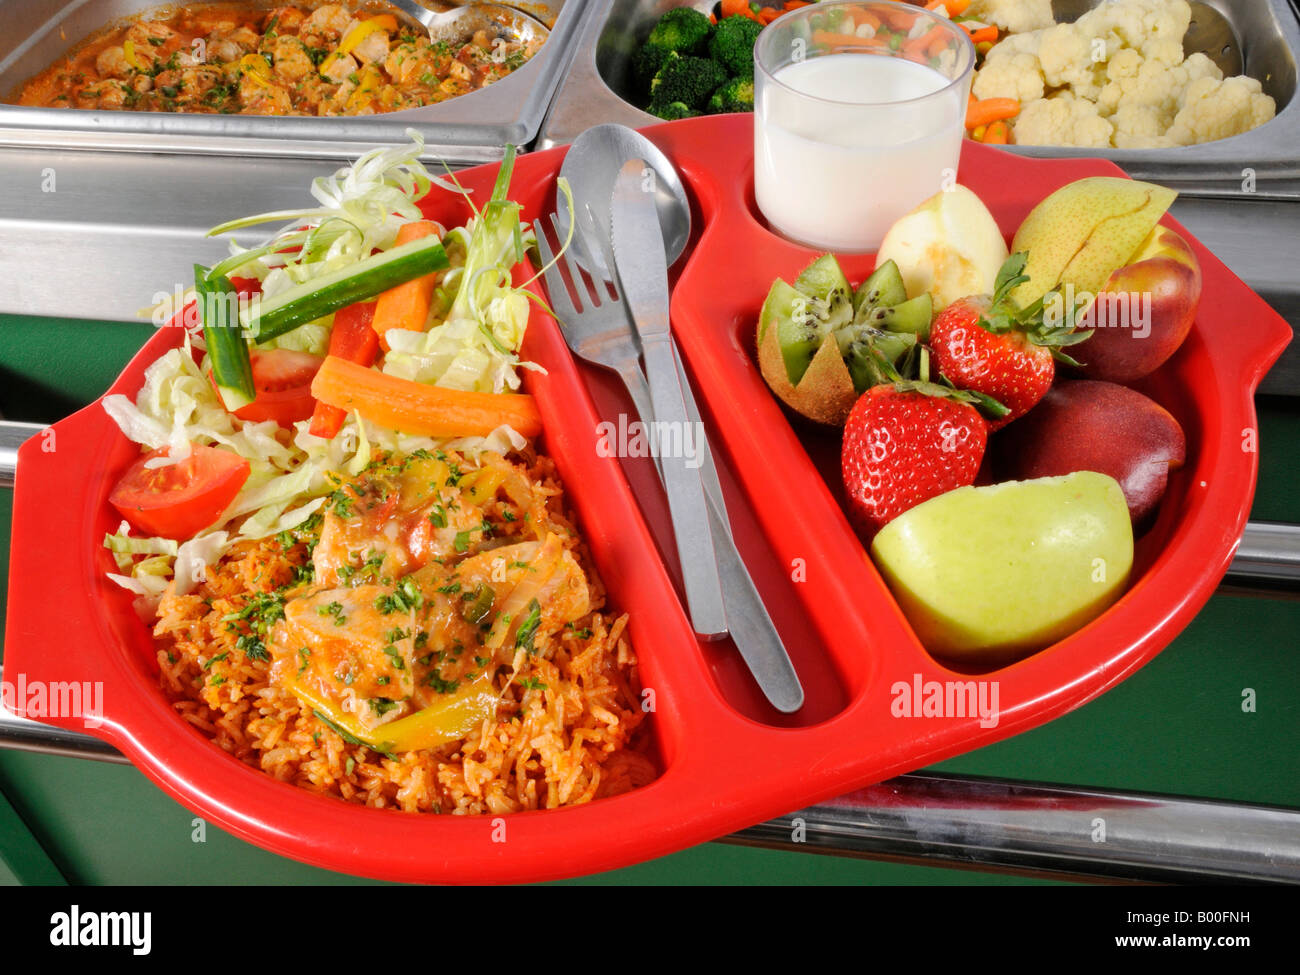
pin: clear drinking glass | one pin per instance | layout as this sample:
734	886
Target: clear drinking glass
859	113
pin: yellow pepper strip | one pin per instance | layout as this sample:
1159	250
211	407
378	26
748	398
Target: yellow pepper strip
481	486
128	52
451	719
254	66
367	85
384	22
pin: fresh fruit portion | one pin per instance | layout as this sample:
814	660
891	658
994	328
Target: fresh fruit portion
1144	311
1097	426
991	345
990	574
907	443
948	247
179	500
1082	233
820	344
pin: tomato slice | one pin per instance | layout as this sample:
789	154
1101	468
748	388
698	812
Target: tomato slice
282	379
179	500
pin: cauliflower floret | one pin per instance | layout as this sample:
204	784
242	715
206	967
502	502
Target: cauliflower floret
1140	127
1066	56
1062	120
1017	16
1147	26
1216	109
1015	76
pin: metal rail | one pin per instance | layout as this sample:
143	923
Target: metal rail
967	821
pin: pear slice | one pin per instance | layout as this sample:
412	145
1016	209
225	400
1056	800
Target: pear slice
1086	230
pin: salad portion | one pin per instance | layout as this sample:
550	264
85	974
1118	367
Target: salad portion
362	576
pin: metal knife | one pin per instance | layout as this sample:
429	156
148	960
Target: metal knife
643	280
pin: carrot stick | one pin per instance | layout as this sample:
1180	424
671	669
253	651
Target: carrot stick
411	407
847	42
997	133
407	305
991	110
768	14
795	4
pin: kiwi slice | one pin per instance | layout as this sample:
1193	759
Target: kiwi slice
884	287
799	332
823	279
871	353
911	316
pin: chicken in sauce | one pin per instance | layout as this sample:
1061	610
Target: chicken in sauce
333	59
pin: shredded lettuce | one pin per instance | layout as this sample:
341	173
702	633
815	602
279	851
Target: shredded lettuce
472	343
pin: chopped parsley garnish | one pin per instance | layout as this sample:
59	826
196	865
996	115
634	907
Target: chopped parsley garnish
462	541
303	655
440	685
532	683
382	705
392	653
527	631
221	656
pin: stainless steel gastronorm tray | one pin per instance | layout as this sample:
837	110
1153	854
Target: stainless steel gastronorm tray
471	128
1265	161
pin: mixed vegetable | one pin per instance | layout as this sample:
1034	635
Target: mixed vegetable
359	328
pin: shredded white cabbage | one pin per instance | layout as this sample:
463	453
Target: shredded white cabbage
472	348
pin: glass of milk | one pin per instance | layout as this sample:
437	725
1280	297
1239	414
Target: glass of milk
859	113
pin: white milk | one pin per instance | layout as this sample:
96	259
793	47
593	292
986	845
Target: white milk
836	175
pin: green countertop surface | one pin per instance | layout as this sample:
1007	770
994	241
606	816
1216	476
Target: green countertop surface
1177	726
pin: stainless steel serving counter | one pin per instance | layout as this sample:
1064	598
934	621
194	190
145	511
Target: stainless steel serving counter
468	129
1267	159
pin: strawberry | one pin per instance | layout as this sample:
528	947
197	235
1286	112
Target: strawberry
905	443
990	345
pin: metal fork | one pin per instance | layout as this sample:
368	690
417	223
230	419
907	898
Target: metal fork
602	333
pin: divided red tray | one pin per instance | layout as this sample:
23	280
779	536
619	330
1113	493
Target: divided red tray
727	760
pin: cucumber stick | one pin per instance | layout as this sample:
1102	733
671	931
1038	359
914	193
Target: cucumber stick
328	293
227	350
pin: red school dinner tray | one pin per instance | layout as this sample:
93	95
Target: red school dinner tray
725	760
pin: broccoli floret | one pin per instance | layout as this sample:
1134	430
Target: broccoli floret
672	110
683	30
689	80
734	95
732	45
646	64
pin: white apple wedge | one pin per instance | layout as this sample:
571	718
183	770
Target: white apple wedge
949	246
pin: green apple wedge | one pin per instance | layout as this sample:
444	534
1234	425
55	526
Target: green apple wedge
990	574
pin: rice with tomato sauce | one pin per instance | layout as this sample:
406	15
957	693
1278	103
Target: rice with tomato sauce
565	725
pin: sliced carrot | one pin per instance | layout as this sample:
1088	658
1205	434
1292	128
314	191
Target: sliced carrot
411	407
407	305
847	42
736	8
795	4
955	8
991	110
997	134
768	14
989	34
